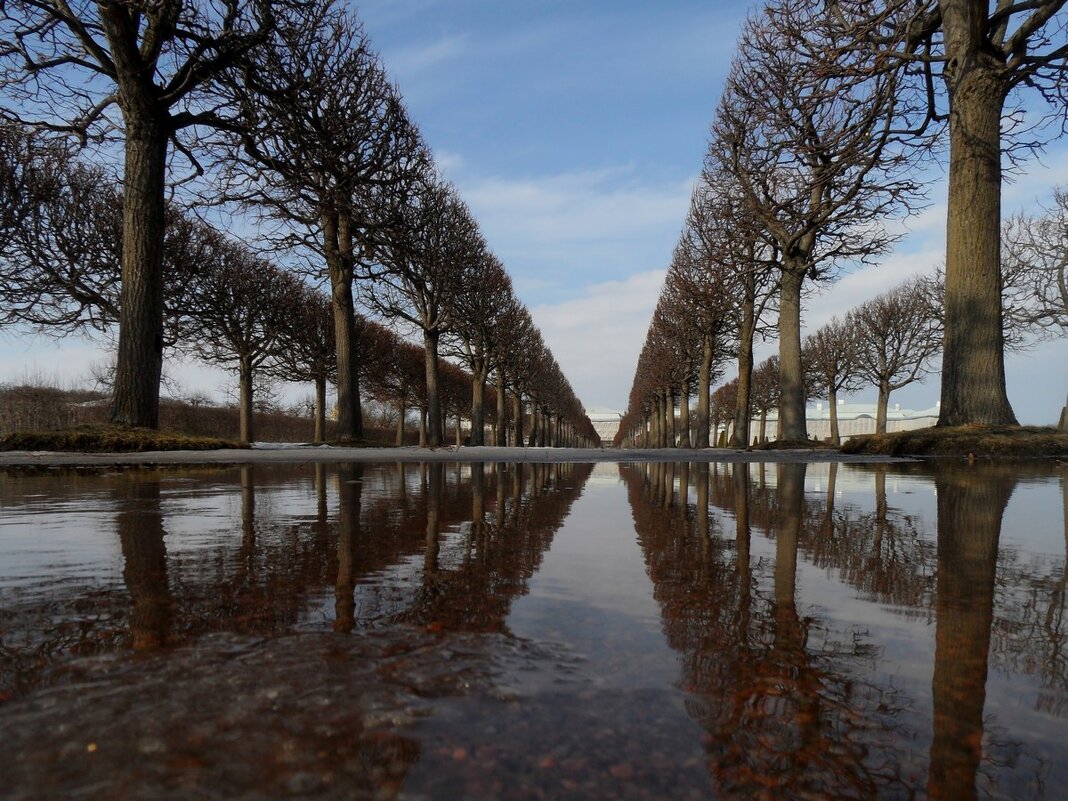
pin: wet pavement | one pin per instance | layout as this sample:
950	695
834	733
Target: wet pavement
534	631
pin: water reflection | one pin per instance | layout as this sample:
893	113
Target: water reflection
796	699
419	544
820	631
140	529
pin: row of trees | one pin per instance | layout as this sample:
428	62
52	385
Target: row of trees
828	114
283	112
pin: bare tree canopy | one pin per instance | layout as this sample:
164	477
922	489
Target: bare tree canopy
831	357
898	334
1035	269
988	57
811	132
67	66
323	144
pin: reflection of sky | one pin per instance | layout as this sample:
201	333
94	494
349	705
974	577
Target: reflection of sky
593	593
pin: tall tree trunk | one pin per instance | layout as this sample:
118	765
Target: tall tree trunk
517	418
684	415
669	419
973	360
880	409
763	425
832	399
791	383
742	404
349	413
478	406
433	392
704	388
244	381
422	424
320	408
459	430
400	417
139	364
502	411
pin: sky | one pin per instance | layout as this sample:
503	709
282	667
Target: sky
575	132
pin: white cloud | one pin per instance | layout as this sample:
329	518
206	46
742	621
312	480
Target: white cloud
415	59
560	233
596	338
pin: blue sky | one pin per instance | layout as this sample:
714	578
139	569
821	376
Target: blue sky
575	132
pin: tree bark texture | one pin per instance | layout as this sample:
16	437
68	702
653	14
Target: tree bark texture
832	399
349	413
684	416
742	410
881	406
704	388
973	361
517	419
400	418
244	381
139	364
501	429
433	394
791	382
320	408
478	408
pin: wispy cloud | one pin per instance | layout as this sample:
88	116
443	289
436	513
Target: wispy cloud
560	233
596	338
415	59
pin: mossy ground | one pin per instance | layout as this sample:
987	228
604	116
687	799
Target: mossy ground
986	442
110	439
792	445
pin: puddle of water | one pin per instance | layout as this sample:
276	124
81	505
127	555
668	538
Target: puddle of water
534	631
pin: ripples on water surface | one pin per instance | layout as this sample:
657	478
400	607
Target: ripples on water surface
534	631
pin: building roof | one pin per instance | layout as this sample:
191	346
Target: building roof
851	411
599	414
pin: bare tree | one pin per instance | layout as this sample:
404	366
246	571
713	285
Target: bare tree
898	335
832	358
61	267
767	394
426	268
1035	268
327	149
700	303
305	350
728	237
808	130
65	65
482	312
988	56
239	309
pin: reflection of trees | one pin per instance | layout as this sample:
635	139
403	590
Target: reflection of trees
500	550
783	700
970	507
140	529
882	553
350	490
1030	629
255	552
780	694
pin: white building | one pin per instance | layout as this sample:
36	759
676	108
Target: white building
853	418
605	423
